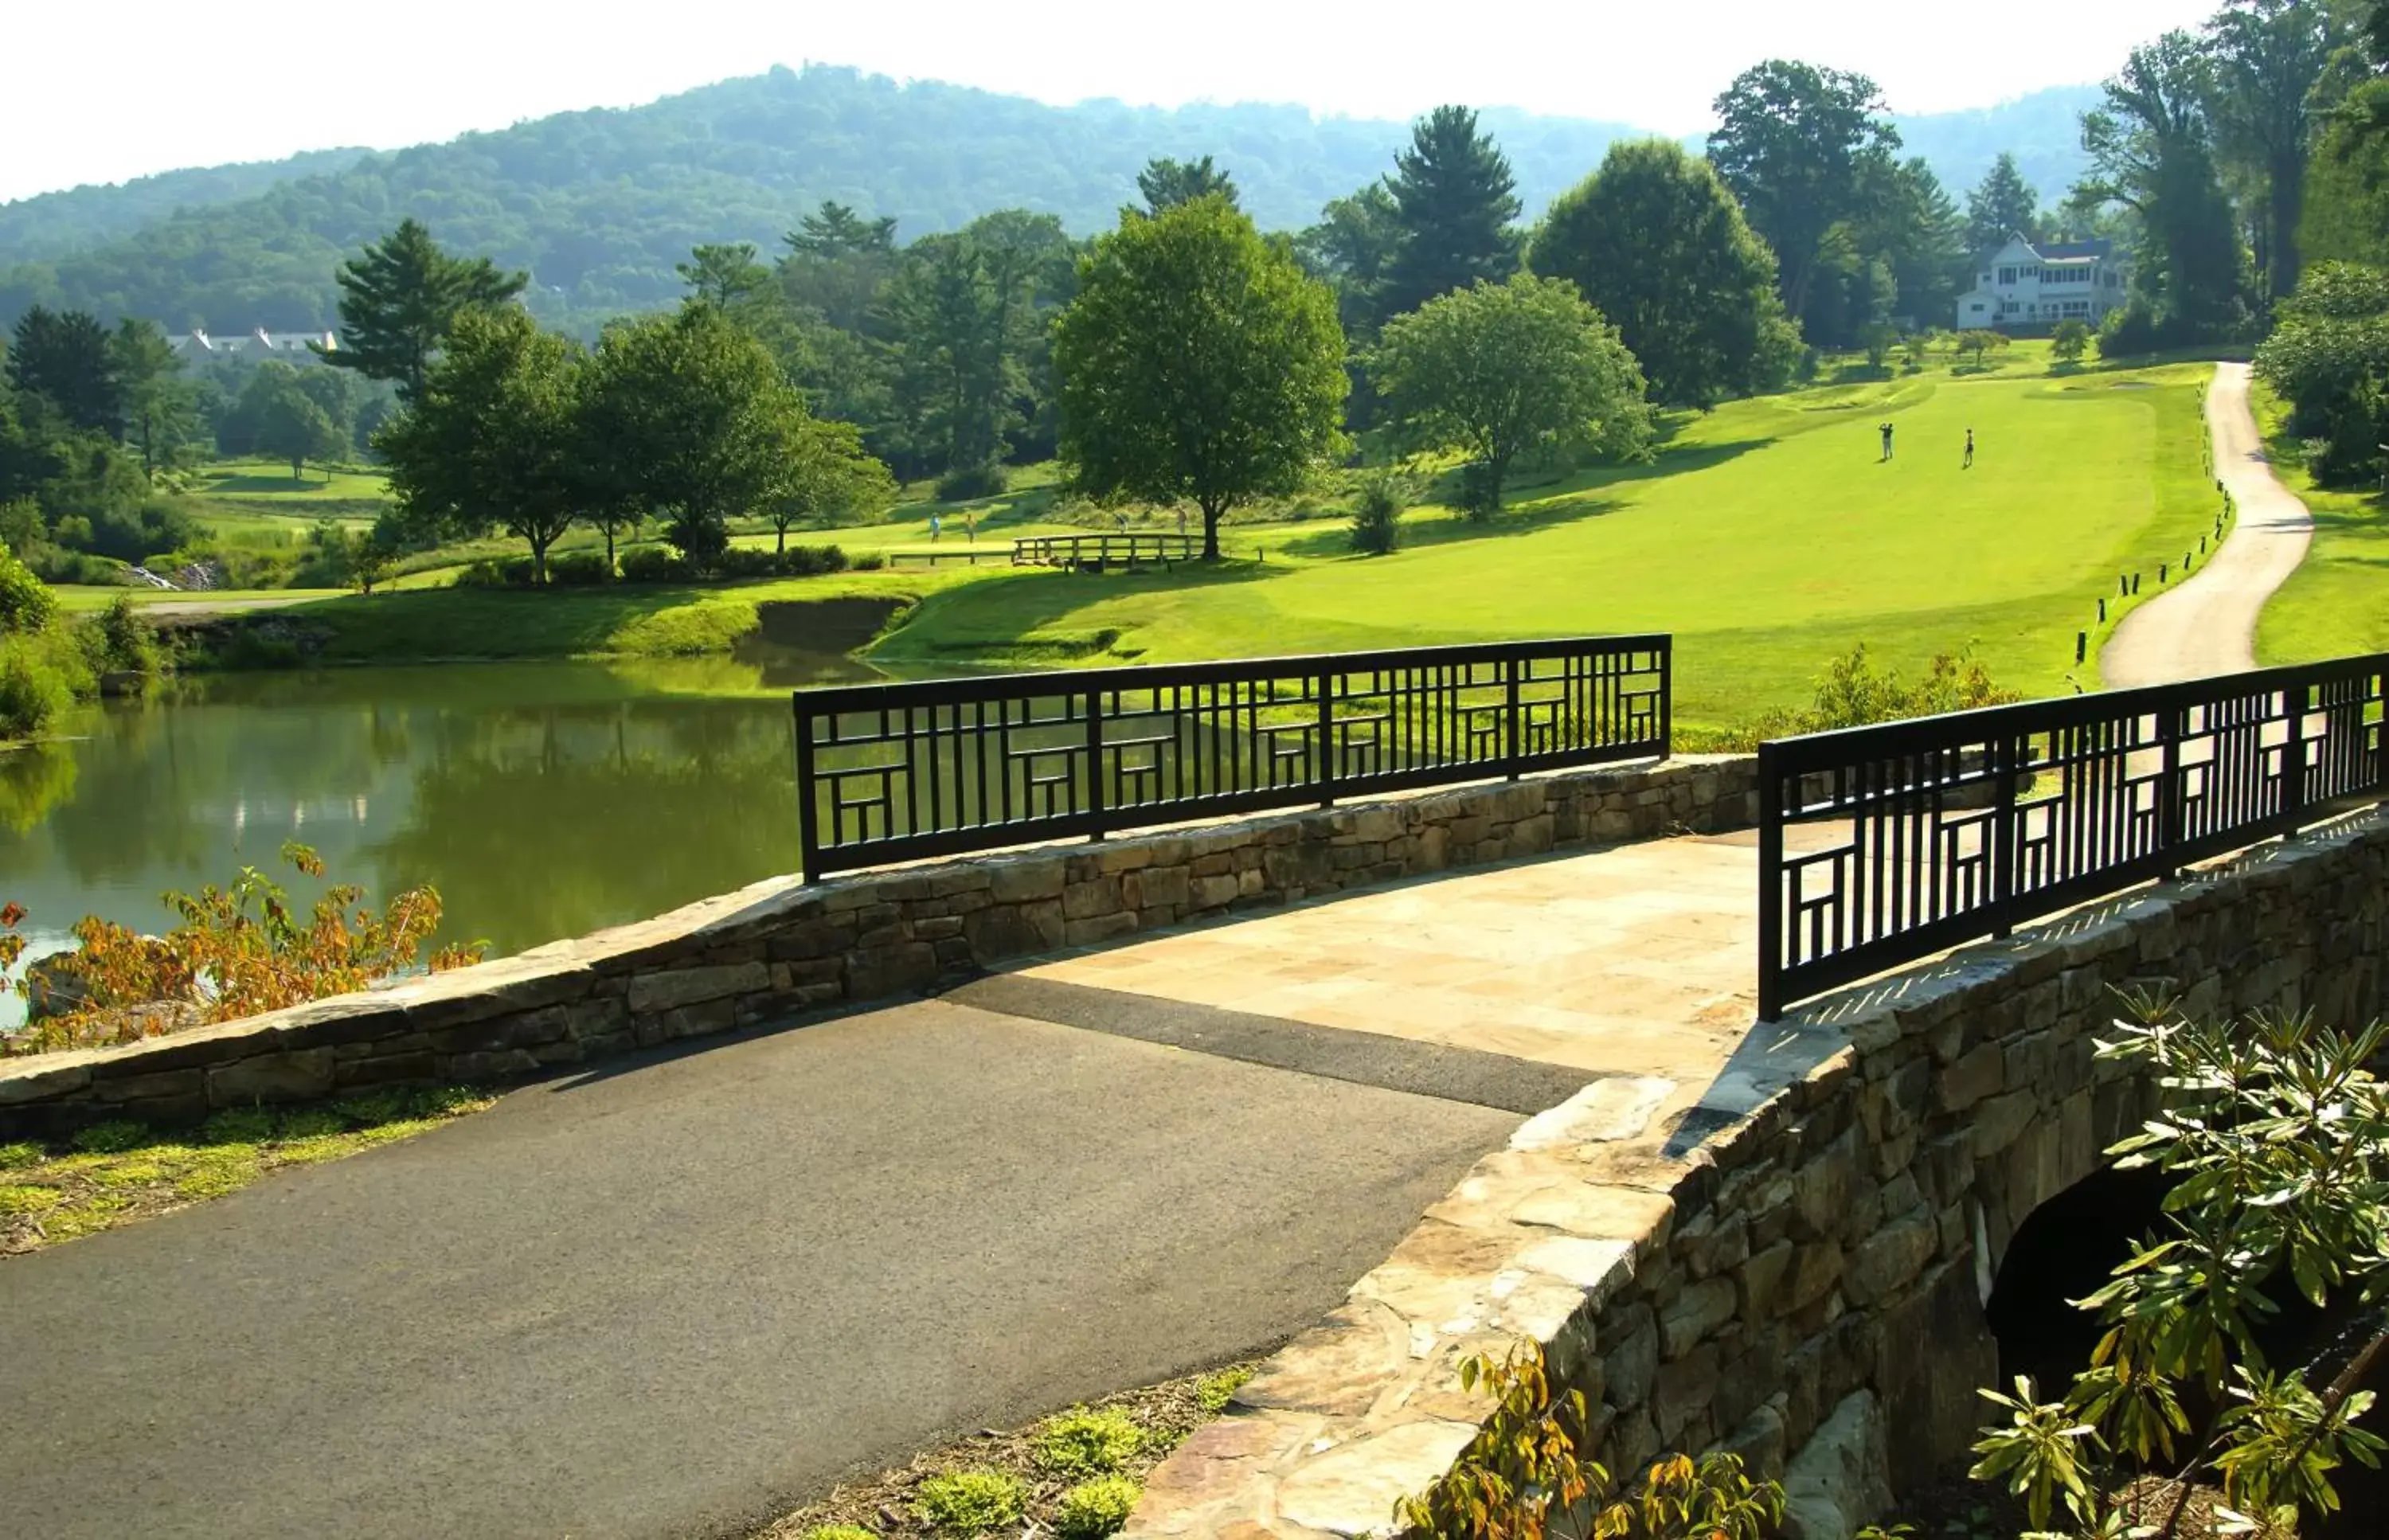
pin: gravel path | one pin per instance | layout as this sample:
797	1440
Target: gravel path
2209	625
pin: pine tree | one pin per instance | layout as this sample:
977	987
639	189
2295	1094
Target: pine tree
63	357
1453	201
1166	183
2001	204
399	300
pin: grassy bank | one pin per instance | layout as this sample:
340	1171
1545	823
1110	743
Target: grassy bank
440	625
1766	537
2337	602
115	1173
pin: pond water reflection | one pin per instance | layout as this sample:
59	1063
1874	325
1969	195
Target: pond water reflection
542	800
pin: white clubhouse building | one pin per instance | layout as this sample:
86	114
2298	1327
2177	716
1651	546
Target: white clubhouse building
2024	286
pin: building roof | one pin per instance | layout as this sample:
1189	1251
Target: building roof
2055	251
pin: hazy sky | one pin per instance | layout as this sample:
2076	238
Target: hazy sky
99	91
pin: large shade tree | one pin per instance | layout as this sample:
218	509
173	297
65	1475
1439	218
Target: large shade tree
1498	370
687	416
1798	146
492	440
1657	245
1198	363
2151	150
2267	57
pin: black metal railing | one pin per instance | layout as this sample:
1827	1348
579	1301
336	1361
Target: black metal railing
1882	844
1101	551
893	772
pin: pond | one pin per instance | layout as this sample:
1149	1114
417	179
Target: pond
542	800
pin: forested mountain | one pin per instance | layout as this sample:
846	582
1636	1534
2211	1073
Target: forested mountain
52	224
598	206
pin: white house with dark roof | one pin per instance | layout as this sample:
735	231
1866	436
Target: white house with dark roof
289	347
2025	286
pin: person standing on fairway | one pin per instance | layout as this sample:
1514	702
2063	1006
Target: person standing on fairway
1968	464
1886	431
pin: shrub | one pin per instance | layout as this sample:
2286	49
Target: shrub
653	564
1217	1390
2067	342
26	604
870	561
1085	1443
741	561
237	952
2274	1131
1093	1509
579	569
32	688
1377	514
971	481
1526	1475
969	1502
2132	331
118	640
498	572
1480	490
811	561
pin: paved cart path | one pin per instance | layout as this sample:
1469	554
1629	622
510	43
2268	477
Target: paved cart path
2207	625
675	1296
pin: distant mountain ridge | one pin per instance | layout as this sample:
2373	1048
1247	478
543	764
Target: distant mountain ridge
599	205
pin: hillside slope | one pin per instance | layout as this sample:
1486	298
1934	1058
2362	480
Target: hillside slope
599	205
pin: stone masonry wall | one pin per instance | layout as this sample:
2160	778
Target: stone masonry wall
1810	1247
782	947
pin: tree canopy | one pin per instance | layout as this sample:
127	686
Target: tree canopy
1800	148
1498	370
1655	243
1198	363
493	439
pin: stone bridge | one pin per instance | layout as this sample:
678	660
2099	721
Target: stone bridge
1778	1239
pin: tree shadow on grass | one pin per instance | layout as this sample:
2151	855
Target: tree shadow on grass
1026	619
1534	501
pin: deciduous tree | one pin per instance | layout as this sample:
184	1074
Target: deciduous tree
1655	243
285	422
160	406
2268	57
493	438
829	475
686	416
2150	152
1797	144
1198	363
1498	369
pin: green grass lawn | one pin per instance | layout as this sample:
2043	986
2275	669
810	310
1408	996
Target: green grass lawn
1766	538
2337	602
250	479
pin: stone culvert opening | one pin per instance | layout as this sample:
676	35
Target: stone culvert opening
2064	1250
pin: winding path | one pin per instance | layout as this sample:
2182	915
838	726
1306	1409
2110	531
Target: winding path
2207	625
